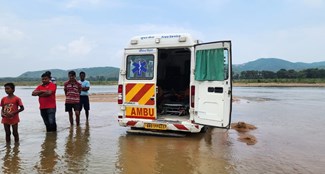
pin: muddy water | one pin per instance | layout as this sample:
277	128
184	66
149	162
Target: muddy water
289	139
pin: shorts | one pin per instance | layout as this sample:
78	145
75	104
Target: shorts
69	106
84	102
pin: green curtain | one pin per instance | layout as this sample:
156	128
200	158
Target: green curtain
209	65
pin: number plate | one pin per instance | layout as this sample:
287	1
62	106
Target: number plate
155	126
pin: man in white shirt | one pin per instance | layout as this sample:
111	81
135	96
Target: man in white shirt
84	98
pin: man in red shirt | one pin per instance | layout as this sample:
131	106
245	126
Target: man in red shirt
46	93
72	89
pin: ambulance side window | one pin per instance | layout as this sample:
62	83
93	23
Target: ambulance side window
140	67
211	65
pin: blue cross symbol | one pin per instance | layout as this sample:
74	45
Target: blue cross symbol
139	67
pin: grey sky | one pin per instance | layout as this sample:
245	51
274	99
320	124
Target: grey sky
66	34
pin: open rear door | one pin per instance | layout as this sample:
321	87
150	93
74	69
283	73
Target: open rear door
213	84
140	83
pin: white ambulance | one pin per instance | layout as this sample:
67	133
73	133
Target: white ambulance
172	82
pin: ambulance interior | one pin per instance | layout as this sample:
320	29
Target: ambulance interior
173	83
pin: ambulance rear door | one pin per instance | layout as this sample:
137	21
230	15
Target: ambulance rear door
140	87
212	84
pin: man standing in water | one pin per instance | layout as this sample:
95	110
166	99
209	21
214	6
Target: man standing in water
46	93
72	89
84	98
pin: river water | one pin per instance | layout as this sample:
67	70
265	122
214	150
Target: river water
290	139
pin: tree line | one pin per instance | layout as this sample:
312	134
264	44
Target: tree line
281	74
23	81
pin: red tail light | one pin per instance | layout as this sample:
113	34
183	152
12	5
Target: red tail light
192	96
120	94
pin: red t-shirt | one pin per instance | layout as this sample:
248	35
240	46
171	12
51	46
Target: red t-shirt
10	105
72	92
48	101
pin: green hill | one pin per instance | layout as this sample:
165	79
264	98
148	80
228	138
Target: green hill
275	64
106	72
95	73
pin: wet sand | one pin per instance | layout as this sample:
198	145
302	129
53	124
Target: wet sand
287	139
243	130
241	127
109	97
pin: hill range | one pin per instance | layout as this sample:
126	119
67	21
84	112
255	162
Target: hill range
106	72
267	64
275	64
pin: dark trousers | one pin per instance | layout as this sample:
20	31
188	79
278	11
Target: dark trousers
48	116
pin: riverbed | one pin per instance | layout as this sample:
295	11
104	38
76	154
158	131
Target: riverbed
289	138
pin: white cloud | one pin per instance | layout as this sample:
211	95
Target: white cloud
153	29
78	47
307	3
10	34
303	44
78	3
314	3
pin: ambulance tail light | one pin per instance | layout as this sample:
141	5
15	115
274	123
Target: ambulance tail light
120	94
192	96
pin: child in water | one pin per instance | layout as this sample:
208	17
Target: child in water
11	106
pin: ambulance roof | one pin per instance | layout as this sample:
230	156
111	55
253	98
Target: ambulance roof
162	40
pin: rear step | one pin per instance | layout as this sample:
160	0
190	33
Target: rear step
160	133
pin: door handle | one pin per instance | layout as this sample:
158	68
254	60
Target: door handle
215	89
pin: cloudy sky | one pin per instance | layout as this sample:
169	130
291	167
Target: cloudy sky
67	34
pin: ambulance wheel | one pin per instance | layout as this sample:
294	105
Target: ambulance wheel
204	129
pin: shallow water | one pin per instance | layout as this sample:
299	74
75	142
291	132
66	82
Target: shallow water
289	136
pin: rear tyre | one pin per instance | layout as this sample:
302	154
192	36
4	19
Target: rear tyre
204	129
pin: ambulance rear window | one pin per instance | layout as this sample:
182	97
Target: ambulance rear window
140	67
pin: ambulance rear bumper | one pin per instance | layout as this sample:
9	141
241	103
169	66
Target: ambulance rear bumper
183	126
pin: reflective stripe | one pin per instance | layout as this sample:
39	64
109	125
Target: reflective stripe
140	93
180	126
131	123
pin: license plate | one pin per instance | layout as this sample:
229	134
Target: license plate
155	126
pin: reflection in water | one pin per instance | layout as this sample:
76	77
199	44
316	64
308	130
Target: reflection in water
11	160
48	155
202	153
290	137
77	149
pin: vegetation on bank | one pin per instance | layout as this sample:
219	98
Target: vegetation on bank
306	77
313	73
297	81
283	76
241	82
35	82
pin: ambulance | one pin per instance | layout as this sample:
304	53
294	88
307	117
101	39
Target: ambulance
172	82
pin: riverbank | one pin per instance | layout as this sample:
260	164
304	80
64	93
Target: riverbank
238	84
112	97
100	97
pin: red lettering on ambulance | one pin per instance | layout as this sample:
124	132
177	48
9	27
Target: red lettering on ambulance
133	112
151	112
139	111
145	111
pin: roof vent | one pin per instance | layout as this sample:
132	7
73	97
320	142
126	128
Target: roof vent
134	42
182	39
